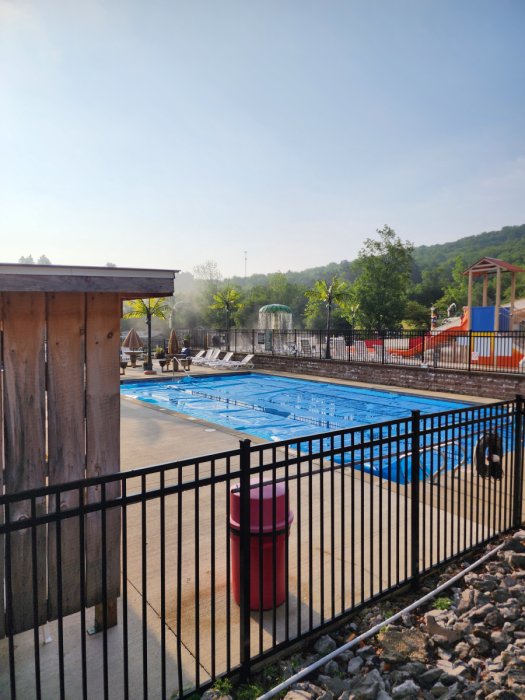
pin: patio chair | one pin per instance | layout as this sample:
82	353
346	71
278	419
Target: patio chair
246	362
306	348
214	360
220	361
202	357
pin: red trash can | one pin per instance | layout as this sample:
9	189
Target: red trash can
262	539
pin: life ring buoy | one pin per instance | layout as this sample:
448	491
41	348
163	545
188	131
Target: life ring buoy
487	456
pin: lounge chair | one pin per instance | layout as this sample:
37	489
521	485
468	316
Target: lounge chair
201	359
246	362
213	360
220	362
306	348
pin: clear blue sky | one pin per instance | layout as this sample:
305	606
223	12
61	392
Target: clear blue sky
164	133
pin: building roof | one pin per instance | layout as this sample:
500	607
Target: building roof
130	283
491	266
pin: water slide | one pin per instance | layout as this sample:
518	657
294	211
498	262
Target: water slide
434	340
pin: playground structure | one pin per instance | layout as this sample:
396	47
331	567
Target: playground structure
482	331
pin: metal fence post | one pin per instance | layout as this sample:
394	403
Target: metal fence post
414	494
382	336
244	559
518	461
469	350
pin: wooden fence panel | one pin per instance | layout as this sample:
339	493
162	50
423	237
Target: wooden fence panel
66	439
2	608
103	438
24	425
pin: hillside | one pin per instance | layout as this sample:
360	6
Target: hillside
507	244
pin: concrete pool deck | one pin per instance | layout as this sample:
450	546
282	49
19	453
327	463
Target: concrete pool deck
152	436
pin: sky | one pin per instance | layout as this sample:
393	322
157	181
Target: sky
264	135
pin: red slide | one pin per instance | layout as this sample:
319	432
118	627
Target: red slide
434	340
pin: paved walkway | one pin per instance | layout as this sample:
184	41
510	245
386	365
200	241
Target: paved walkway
152	436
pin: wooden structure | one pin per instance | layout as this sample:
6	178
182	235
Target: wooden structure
60	417
490	266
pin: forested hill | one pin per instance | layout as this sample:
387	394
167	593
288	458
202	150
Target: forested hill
507	244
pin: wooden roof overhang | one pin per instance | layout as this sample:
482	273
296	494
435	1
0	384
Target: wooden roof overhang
128	283
490	266
484	268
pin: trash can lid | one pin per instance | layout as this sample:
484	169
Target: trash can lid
261	492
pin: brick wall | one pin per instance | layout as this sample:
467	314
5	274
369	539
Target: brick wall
485	384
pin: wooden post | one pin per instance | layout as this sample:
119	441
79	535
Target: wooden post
103	448
25	447
469	300
2	610
485	289
498	299
66	439
512	299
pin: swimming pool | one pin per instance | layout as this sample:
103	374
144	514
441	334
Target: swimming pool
277	408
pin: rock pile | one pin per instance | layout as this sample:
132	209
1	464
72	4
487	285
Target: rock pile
475	649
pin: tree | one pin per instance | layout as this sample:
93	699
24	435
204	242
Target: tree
208	271
228	300
383	282
29	260
350	311
148	308
416	315
326	294
457	291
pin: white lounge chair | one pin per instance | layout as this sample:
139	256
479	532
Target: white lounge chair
200	359
246	362
220	362
213	359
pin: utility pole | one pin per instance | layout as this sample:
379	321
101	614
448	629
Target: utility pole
245	262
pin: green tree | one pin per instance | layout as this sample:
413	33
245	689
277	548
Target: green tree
148	309
416	315
350	311
384	277
326	294
228	300
457	290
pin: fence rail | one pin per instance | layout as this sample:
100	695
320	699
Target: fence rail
309	528
473	351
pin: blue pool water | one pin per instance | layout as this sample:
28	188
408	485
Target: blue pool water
282	408
279	408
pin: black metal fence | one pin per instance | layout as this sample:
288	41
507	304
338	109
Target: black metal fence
467	350
310	528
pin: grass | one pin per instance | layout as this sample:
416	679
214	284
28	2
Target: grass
442	603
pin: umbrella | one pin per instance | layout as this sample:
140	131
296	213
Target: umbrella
173	343
132	341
